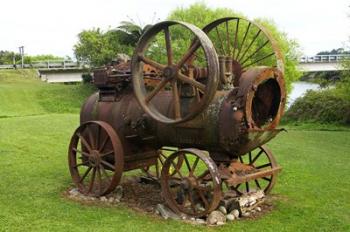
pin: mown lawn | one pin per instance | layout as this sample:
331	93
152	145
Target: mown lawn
312	193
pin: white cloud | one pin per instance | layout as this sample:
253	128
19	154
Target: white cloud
51	26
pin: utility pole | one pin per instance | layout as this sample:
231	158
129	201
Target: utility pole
21	51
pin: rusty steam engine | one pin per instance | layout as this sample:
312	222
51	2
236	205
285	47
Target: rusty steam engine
195	119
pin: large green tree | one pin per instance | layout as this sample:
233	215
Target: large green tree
99	47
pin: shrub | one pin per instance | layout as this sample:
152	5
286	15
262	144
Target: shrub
326	106
87	78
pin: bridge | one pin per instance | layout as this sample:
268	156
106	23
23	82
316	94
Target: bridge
56	71
71	71
322	63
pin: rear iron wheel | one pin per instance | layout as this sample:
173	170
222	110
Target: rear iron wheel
192	188
95	158
259	159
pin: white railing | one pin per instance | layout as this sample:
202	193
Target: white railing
49	64
324	58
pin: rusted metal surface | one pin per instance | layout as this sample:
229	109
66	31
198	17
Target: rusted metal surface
173	73
187	188
228	105
96	158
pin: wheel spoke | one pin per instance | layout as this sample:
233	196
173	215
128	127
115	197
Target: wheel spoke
103	144
84	142
205	201
250	157
194	165
85	174
256	61
267	179
257	183
247	186
263	166
106	153
256	157
235	188
236	39
204	174
158	88
168	46
256	51
195	45
192	202
108	165
187	163
228	39
176	168
243	41
91	138
81	152
99	180
176	100
190	81
151	62
92	181
221	43
241	159
251	43
105	172
81	164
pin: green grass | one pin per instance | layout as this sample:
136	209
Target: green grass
312	192
23	94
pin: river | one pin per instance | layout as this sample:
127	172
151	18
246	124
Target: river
299	88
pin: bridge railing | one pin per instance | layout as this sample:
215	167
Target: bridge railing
49	64
324	58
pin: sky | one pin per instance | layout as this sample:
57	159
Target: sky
51	27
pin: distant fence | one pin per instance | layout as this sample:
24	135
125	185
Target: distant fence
49	64
324	58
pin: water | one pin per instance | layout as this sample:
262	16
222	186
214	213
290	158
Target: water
299	88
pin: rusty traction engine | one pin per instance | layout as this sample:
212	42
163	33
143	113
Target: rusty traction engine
195	119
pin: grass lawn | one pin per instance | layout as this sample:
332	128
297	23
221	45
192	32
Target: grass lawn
312	192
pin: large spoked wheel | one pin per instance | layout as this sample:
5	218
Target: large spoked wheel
95	158
260	159
193	188
162	47
245	43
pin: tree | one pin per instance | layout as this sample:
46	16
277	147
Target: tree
200	15
6	57
99	48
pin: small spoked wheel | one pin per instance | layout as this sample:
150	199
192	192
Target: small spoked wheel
192	188
260	159
95	158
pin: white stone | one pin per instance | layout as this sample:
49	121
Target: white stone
235	213
215	217
230	217
243	201
103	199
258	209
200	221
165	212
246	214
223	210
74	192
220	223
